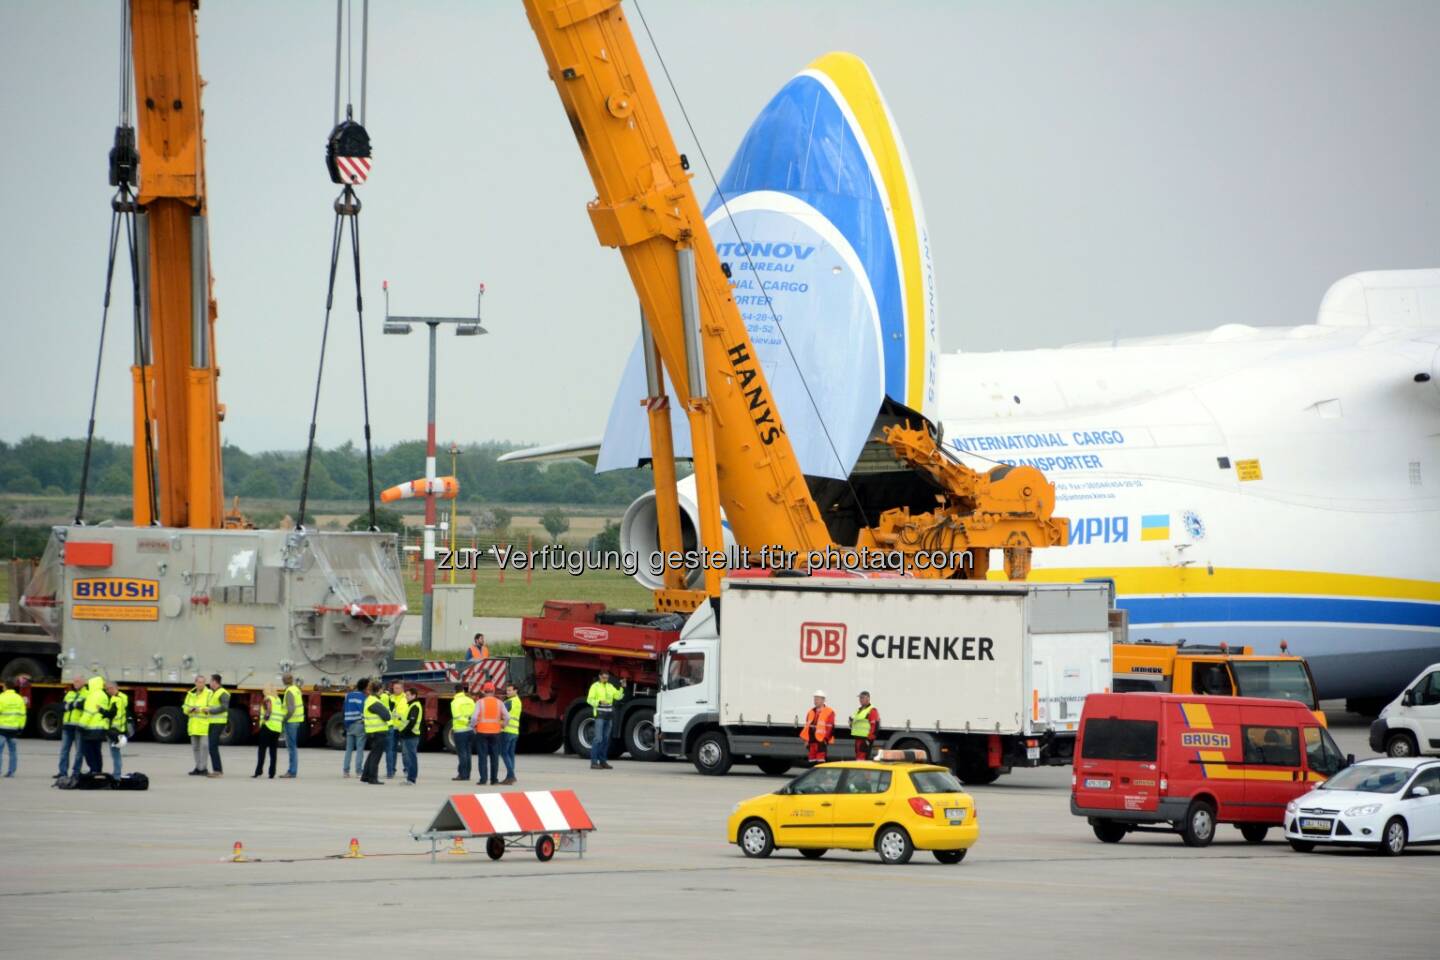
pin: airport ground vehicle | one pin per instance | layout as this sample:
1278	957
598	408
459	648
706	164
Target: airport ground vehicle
1160	761
893	807
1213	670
982	676
1409	726
1386	804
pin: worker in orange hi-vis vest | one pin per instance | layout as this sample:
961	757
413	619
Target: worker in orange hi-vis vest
479	649
819	730
490	718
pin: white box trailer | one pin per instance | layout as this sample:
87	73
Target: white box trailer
984	676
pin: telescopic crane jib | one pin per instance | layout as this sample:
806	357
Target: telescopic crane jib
174	374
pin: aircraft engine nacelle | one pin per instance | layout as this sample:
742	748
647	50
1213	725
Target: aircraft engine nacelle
640	534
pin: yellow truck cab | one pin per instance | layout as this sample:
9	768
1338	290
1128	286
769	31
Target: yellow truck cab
1219	671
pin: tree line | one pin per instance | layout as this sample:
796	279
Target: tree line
36	465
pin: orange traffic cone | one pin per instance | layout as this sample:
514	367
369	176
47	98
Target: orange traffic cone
238	854
354	852
457	849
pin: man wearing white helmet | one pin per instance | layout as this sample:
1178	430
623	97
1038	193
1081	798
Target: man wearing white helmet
819	730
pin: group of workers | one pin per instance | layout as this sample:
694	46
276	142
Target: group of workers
384	723
380	724
93	712
488	728
819	730
207	711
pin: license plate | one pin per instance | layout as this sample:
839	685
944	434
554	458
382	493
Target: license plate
955	814
1097	784
1309	825
1032	753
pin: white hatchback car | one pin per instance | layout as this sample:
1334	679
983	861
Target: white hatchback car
1386	804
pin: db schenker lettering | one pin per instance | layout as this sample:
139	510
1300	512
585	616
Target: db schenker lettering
883	646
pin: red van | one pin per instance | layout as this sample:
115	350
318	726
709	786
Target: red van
1162	762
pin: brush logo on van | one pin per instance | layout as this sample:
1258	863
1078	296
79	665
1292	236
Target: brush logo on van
1205	740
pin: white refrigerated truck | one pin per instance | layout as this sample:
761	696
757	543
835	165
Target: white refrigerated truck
983	676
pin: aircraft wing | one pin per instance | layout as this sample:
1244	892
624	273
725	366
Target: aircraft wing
587	450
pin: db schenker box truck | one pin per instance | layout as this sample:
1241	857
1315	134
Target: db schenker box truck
983	676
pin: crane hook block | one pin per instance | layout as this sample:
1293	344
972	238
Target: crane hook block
347	153
124	158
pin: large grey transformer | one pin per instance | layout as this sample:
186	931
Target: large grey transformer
160	605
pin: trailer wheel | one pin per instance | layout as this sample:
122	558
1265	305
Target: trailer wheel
711	754
1199	826
642	739
813	853
237	729
495	848
335	731
50	721
774	766
580	733
169	725
23	667
949	856
544	848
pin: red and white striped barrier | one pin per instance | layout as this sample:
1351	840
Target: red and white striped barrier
542	820
530	811
496	670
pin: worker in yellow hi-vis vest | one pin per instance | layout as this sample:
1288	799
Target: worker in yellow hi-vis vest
12	722
293	721
510	733
219	712
118	727
197	724
72	707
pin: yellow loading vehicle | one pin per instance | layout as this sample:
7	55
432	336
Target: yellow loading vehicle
1213	670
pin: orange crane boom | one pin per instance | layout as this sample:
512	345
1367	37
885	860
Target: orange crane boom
174	377
646	207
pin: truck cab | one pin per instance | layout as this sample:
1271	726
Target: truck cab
689	683
1215	671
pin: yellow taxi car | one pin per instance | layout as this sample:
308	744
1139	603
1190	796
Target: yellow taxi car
893	807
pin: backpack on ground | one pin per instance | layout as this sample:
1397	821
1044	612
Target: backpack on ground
133	781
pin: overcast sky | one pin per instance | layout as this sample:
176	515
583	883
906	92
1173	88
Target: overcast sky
1088	170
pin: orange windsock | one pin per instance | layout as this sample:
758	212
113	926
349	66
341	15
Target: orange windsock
446	488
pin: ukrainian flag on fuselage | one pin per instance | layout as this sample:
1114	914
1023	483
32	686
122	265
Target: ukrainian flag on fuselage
820	221
1155	526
